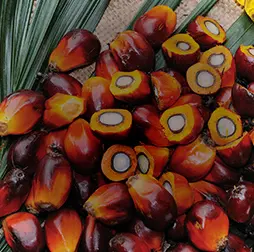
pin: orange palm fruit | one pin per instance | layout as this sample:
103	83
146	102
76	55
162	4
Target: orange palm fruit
82	148
130	86
225	126
119	162
182	124
156	25
152	238
23	232
166	89
97	95
222	59
151	159
207	32
146	119
178	186
181	51
154	203
63	230
193	161
62	109
237	153
52	144
106	65
208	226
76	49
124	242
140	53
177	232
14	189
203	79
111	204
15	108
51	185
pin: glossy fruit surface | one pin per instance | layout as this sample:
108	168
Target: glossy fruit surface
182	247
178	231
235	243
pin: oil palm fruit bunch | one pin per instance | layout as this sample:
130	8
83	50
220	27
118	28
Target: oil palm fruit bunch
135	157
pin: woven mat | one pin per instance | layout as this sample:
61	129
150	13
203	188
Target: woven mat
120	12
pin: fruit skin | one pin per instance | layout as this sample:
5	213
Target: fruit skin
63	230
97	95
236	155
222	175
132	52
61	83
182	247
153	239
193	161
154	203
52	173
23	233
177	232
243	100
240	205
82	148
76	49
207	226
22	153
180	190
244	63
156	25
95	236
224	97
235	243
126	242
14	110
14	189
146	119
111	204
106	65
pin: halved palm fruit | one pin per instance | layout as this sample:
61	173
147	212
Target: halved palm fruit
222	59
203	79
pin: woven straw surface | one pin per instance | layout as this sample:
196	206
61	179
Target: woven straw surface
120	12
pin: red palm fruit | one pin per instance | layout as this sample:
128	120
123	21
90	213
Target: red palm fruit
251	87
182	247
52	144
243	100
23	232
61	83
177	232
76	49
178	186
140	53
147	120
236	244
82	189
210	191
111	204
83	149
194	160
62	109
240	205
152	238
222	175
237	153
224	97
22	154
196	101
106	65
63	230
15	108
51	185
155	204
247	172
156	25
97	95
208	226
151	159
126	242
14	189
197	196
95	236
